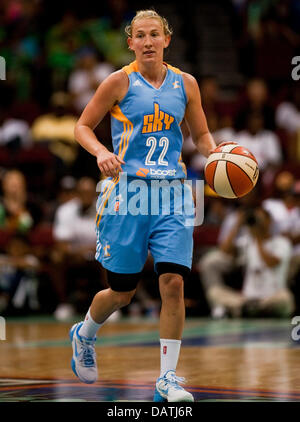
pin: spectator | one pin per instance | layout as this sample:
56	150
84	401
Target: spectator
264	144
74	221
275	45
216	263
14	132
61	43
210	95
285	211
20	46
111	41
74	232
265	259
18	278
18	213
256	99
56	129
213	101
288	112
269	40
282	204
86	77
66	192
216	209
294	235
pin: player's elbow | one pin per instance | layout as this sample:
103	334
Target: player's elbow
77	131
80	131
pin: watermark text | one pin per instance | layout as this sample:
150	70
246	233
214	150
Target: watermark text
2	69
2	328
152	197
296	330
296	70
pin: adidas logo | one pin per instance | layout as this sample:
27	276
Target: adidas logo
137	83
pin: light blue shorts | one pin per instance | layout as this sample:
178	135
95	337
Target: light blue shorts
140	216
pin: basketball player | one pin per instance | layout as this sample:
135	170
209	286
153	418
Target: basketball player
147	101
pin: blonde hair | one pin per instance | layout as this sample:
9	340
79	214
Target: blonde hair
149	13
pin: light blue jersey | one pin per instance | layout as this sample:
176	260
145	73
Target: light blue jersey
145	126
146	134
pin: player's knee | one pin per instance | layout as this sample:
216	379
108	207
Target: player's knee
123	283
123	298
171	286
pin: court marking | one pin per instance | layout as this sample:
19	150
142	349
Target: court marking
224	334
64	388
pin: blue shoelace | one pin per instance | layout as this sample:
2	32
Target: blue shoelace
173	380
87	356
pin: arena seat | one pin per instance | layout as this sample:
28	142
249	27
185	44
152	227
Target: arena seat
42	235
5	236
6	158
206	235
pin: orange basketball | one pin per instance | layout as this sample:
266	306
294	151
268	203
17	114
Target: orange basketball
231	171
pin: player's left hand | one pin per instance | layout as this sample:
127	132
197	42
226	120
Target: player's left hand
222	144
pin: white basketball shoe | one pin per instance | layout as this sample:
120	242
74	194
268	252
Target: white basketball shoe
83	363
167	389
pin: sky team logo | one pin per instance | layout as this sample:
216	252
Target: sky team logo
158	121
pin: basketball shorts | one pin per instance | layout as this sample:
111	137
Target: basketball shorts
136	216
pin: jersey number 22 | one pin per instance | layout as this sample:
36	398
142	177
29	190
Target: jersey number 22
152	143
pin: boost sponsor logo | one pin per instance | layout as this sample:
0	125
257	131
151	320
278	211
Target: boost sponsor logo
142	172
162	173
155	172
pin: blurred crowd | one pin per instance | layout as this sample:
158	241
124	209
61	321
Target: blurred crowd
246	253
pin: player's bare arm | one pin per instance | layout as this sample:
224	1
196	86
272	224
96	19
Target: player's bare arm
196	120
109	93
195	117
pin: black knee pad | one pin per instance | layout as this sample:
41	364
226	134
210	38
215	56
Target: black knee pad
169	267
122	282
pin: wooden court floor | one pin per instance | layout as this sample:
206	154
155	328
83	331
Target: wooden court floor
227	360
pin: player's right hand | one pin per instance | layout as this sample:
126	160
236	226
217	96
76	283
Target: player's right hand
109	163
222	144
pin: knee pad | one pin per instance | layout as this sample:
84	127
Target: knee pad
122	282
169	267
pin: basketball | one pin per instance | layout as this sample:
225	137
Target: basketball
231	171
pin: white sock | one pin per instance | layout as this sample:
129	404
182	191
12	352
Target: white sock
169	354
89	327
